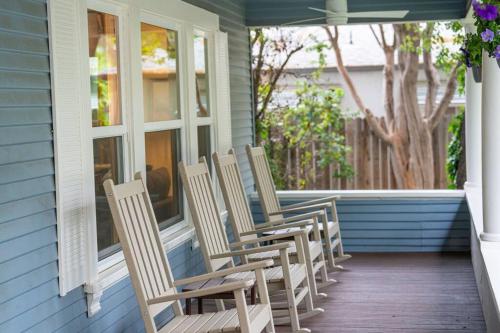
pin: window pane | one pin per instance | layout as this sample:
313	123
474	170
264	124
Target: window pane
204	144
162	157
104	69
108	164
201	68
159	73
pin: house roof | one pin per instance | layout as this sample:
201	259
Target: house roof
279	12
358	46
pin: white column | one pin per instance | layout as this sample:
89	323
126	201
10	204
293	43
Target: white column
491	149
472	127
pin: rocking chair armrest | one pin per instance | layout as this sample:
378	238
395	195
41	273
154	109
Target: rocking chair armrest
329	199
268	224
226	287
299	224
260	249
266	238
281	221
288	209
224	272
305	216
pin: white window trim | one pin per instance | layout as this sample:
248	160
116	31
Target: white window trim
110	270
185	19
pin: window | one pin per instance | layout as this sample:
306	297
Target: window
201	70
159	51
104	69
159	73
202	89
162	158
126	78
108	164
204	142
106	120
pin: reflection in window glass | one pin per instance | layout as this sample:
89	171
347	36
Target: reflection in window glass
204	144
159	73
108	164
201	68
104	69
162	157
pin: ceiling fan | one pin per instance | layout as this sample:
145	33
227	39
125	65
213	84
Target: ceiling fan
336	13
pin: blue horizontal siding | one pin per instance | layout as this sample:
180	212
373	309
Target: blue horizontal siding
400	225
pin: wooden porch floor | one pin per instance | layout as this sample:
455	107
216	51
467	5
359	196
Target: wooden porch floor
424	292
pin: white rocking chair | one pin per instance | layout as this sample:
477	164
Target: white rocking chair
283	280
273	211
152	279
244	229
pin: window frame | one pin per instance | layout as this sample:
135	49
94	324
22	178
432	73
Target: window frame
92	133
174	124
133	114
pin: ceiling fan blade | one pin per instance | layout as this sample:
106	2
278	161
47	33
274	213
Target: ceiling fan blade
302	21
325	11
388	14
377	14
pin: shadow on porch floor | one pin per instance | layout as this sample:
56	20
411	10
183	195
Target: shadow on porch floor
418	292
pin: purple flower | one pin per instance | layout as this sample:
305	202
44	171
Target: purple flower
487	35
485	11
497	52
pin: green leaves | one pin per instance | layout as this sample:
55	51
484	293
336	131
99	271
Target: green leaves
455	148
318	118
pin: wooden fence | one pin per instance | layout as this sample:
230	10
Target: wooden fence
369	157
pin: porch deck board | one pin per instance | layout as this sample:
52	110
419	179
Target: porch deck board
403	292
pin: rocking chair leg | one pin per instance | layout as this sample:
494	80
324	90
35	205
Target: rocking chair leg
220	305
200	305
329	252
325	280
290	292
313	288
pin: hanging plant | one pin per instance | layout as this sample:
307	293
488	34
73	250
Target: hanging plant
487	36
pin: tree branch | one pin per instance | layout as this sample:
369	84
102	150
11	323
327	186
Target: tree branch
382	35
451	87
430	72
375	126
376	37
257	72
276	76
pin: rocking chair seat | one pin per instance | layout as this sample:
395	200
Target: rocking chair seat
218	322
314	246
333	227
292	251
273	274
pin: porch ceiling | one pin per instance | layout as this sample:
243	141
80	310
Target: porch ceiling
278	12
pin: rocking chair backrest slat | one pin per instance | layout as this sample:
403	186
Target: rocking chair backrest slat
205	212
234	194
264	181
144	253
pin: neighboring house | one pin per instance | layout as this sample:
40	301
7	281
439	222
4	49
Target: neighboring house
364	60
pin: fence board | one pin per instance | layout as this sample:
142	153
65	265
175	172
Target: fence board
370	159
